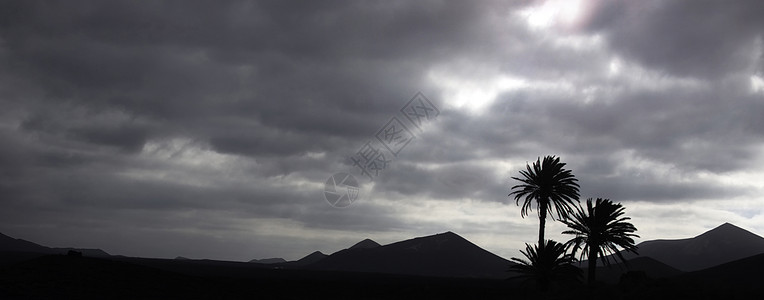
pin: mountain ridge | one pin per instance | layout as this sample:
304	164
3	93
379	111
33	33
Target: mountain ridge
307	260
365	244
268	261
443	255
450	255
722	244
11	244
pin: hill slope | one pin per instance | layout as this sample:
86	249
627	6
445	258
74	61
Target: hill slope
445	255
722	244
18	245
9	244
307	260
743	272
651	267
268	261
365	244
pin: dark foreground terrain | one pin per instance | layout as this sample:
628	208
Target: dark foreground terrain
440	266
24	276
65	277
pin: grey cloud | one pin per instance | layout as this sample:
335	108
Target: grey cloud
455	181
704	129
703	39
286	91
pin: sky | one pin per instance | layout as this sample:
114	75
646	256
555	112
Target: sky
210	129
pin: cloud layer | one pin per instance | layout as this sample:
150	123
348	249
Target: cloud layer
165	129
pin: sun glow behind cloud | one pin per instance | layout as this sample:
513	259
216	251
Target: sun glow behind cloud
564	13
757	84
473	93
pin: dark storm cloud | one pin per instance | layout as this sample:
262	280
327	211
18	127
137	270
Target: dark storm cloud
100	91
683	130
704	39
208	117
320	68
677	126
124	135
714	129
506	130
710	128
311	62
303	78
457	181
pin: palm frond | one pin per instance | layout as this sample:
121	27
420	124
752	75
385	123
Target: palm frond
601	224
546	263
549	186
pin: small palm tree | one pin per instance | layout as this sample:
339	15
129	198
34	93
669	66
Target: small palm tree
546	263
550	186
599	231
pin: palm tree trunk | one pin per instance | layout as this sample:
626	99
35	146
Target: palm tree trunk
592	264
542	224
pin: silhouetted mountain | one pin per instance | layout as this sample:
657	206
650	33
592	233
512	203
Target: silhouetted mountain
275	260
181	258
651	267
743	272
9	244
365	244
18	245
307	260
85	252
446	255
720	245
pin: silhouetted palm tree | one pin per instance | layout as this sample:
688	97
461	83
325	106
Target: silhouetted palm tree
600	230
549	186
546	263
